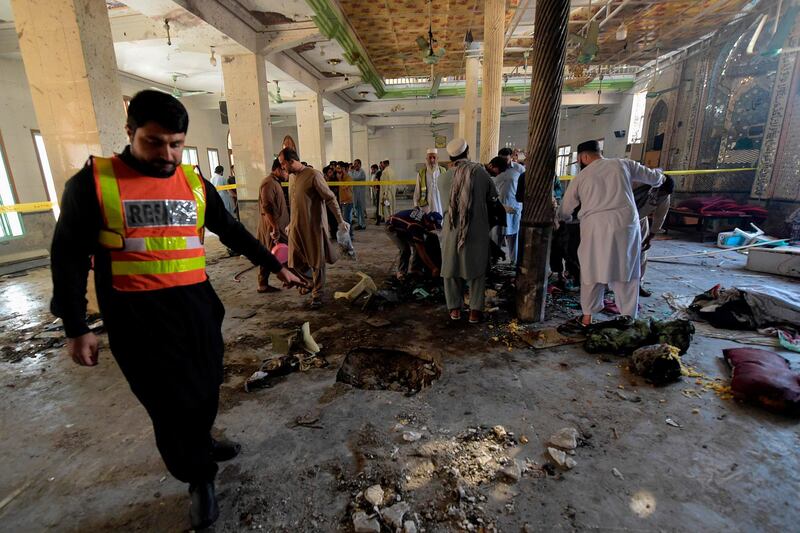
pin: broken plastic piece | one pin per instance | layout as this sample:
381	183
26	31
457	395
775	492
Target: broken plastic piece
309	343
365	284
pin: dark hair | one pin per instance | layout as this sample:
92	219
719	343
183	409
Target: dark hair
357	161
373	166
276	164
500	162
504	152
219	169
289	155
304	163
161	108
385	161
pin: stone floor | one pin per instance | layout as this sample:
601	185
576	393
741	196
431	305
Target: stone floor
77	450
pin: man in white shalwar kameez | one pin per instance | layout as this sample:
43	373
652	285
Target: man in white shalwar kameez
426	192
611	241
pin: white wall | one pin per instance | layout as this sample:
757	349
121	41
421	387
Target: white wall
404	147
17	119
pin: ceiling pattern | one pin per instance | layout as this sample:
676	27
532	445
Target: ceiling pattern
389	30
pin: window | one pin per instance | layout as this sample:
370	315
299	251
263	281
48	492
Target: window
213	159
230	151
562	160
602	143
636	127
10	223
47	174
189	156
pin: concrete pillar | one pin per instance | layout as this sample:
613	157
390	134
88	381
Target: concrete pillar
311	131
342	136
69	60
247	96
468	115
361	146
492	96
547	72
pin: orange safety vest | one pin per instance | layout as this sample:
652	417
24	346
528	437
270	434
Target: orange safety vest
153	226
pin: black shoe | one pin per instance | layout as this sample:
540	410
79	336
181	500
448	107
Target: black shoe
644	293
224	450
204	510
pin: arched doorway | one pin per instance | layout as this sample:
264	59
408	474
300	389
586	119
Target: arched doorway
657	127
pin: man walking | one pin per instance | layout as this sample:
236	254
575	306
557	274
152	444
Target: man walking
505	180
610	248
359	196
142	216
651	201
466	190
218	180
309	247
426	191
273	220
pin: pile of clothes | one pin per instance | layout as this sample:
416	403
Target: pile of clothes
622	336
718	206
749	308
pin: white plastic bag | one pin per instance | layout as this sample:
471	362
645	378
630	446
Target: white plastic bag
345	243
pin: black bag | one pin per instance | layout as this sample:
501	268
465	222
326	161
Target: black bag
497	213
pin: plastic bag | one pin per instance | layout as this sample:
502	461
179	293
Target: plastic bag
345	243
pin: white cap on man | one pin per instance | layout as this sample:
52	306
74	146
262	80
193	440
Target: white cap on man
456	147
433	151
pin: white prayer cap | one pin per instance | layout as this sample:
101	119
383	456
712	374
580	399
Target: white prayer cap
456	147
433	151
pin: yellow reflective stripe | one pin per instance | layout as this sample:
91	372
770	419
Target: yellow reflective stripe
109	189
111	240
196	184
174	266
165	243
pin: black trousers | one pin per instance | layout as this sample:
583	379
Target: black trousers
564	250
170	351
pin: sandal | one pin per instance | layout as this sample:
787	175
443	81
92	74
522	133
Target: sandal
455	314
573	325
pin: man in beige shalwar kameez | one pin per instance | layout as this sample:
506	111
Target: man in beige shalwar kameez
309	247
273	220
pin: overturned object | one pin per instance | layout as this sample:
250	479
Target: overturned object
364	285
659	363
764	378
623	339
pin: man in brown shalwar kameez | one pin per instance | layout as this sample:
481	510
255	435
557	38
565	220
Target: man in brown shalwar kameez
274	218
309	247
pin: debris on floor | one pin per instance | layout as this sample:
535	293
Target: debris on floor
659	363
747	307
299	352
617	337
365	284
386	369
764	378
545	337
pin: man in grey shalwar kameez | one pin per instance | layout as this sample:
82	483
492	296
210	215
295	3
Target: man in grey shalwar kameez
610	249
465	190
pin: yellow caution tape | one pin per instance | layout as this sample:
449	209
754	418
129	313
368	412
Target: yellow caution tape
33	207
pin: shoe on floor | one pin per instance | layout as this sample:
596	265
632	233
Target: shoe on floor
204	510
224	450
644	293
475	316
268	288
316	303
455	314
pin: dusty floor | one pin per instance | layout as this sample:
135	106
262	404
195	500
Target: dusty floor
77	451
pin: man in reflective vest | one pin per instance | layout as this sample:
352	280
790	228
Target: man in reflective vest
142	216
426	192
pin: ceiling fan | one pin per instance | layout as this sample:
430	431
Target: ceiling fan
276	96
526	97
178	93
429	56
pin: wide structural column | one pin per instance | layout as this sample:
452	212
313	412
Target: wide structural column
247	97
361	146
547	69
311	131
492	96
342	136
468	114
69	60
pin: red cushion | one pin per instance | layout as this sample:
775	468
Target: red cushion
764	377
